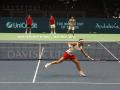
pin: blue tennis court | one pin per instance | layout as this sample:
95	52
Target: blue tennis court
28	73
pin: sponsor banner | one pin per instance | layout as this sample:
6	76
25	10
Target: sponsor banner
41	25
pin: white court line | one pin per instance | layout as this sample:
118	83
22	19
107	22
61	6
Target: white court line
84	83
36	71
108	51
79	83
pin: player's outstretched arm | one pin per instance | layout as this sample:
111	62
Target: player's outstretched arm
86	55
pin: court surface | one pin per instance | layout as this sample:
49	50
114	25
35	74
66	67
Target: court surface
18	75
31	74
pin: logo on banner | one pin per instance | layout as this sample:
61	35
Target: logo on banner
64	25
107	26
9	25
19	25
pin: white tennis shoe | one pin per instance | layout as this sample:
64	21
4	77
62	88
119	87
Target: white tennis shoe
82	74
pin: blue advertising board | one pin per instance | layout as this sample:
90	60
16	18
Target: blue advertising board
41	25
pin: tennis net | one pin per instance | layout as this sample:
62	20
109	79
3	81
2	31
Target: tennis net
104	50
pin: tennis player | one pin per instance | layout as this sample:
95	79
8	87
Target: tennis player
68	54
52	25
29	21
71	25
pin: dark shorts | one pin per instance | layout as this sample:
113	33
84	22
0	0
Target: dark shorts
29	26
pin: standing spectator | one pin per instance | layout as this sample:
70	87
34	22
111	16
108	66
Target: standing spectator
29	22
52	25
71	25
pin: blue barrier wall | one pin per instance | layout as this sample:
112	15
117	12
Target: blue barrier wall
40	25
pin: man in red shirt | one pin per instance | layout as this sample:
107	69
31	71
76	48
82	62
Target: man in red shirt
29	24
52	24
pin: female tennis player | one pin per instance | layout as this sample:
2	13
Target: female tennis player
68	54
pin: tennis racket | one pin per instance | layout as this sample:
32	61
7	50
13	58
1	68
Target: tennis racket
98	59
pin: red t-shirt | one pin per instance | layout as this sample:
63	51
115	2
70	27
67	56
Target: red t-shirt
52	20
29	21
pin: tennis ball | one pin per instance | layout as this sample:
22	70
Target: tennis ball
88	45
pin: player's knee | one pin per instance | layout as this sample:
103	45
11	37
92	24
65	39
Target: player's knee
76	61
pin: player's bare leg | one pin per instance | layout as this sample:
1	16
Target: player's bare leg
68	31
26	31
54	31
76	62
54	62
30	30
73	32
51	31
